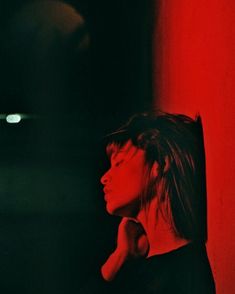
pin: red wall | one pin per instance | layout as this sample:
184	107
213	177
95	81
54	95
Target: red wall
194	48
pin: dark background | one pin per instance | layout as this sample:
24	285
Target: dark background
54	231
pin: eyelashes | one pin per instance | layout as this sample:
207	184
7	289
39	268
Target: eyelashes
119	160
118	163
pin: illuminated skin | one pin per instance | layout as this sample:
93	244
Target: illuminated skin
124	181
140	232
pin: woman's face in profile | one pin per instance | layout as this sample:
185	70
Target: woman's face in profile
124	181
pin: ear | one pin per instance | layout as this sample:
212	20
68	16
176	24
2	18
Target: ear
155	169
167	164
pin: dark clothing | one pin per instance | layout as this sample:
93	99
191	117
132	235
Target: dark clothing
183	271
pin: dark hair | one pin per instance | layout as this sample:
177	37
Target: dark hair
178	138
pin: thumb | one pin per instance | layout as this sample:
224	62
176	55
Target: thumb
143	245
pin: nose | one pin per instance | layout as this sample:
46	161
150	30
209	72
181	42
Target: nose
105	178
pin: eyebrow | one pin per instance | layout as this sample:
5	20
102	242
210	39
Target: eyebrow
126	147
115	155
126	152
122	151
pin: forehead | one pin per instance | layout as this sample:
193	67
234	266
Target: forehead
126	150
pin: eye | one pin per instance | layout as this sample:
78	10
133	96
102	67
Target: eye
118	163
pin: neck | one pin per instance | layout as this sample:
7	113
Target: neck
160	234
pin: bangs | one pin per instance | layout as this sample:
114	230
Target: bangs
118	147
113	147
115	141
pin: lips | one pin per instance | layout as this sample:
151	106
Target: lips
106	190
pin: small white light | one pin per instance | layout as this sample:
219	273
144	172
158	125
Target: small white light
13	118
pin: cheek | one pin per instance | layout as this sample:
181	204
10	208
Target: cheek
132	187
136	179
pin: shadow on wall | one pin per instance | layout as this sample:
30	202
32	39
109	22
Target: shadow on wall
46	179
50	165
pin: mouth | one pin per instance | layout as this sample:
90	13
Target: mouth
106	190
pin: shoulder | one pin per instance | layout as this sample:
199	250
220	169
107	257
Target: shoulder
184	270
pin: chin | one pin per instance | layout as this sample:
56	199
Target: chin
109	209
123	211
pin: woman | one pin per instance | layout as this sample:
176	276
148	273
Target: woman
156	183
